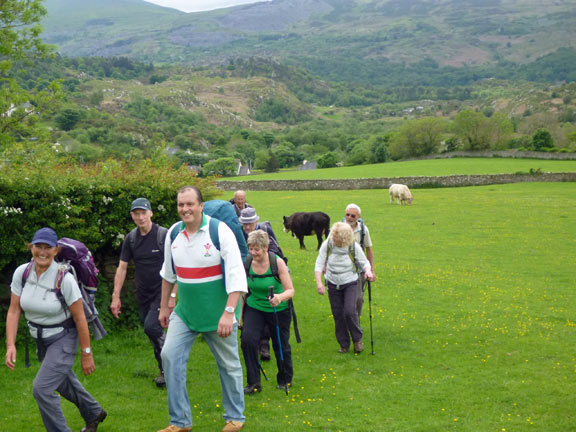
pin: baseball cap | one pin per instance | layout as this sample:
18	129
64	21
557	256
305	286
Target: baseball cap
141	203
47	236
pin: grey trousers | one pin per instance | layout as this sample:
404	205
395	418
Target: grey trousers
56	375
346	321
361	287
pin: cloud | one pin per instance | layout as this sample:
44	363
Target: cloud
201	5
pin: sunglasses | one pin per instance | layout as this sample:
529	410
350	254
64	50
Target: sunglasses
351	215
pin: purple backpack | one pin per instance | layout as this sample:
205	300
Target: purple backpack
80	258
74	257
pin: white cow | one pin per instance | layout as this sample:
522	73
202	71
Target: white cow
401	194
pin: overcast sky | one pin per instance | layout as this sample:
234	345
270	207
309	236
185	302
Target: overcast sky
201	5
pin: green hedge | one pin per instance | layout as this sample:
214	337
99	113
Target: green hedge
88	203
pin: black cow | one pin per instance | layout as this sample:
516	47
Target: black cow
303	224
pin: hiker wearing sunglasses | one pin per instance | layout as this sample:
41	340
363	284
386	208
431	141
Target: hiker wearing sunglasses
362	237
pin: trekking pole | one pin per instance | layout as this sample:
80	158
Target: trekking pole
270	295
262	370
370	312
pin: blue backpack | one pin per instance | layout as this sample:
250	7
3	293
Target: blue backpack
219	211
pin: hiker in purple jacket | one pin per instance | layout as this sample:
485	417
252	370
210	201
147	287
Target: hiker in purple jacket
58	324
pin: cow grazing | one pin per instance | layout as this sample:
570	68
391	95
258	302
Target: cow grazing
303	224
401	194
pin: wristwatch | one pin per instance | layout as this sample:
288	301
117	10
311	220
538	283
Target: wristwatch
173	295
87	351
229	309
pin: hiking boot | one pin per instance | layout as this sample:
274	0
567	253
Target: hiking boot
283	386
264	353
253	388
160	381
343	350
174	428
358	347
93	425
233	426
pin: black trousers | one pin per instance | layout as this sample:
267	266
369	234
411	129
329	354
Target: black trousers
149	312
255	321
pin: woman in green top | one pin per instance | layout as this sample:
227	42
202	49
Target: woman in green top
259	313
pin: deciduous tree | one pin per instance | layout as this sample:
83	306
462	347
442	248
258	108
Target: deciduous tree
20	42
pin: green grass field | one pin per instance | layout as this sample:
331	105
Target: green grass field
474	321
436	167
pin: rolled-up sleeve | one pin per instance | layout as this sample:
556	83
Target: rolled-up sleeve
321	259
167	270
233	265
363	262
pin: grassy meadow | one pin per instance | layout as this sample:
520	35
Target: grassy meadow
474	321
435	167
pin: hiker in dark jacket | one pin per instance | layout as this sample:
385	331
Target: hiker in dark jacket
145	246
259	313
58	324
249	220
239	202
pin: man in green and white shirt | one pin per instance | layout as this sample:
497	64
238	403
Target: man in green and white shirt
207	304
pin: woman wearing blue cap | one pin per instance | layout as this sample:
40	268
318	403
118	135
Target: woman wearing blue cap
57	323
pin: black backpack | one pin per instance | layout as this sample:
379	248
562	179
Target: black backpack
274	269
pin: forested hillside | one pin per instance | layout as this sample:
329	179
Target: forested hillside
270	114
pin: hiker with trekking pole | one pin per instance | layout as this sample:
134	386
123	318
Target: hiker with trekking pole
341	260
265	308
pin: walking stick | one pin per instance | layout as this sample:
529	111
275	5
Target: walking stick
370	312
270	295
262	370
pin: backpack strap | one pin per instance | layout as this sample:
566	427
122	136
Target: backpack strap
215	237
173	234
132	237
351	254
274	265
274	268
213	230
295	321
27	271
362	232
161	237
247	264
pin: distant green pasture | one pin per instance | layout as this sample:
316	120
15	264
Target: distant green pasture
474	321
436	167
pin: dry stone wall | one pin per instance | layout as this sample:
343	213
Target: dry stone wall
514	154
385	182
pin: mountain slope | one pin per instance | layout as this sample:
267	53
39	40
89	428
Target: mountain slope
322	35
